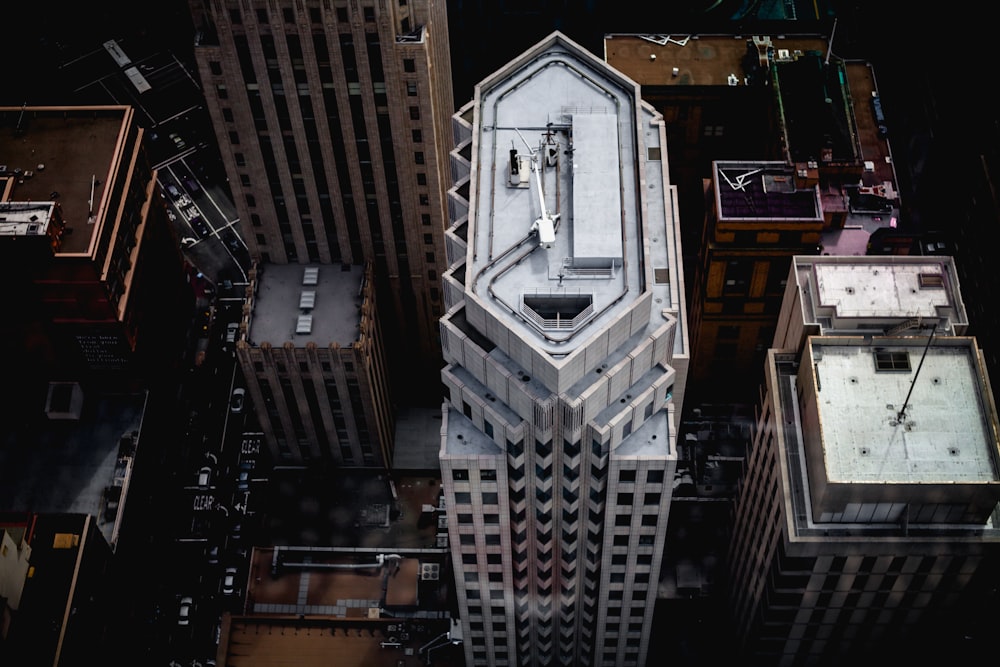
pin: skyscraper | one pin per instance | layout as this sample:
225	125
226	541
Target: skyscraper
868	510
566	348
333	120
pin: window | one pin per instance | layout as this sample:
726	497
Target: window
418	136
369	14
227	114
411	88
409	65
460	474
654	477
651	499
414	113
493	559
463	497
425	200
488	475
421	178
467	539
649	519
215	67
418	157
234	138
465	518
624	498
241	160
245	180
886	360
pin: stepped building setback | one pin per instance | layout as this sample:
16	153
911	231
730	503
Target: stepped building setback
566	348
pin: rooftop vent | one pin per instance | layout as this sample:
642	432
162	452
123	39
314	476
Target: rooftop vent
304	324
307	300
310	276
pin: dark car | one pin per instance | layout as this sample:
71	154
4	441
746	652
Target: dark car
192	185
199	226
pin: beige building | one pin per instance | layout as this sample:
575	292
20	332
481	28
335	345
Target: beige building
333	121
868	510
566	342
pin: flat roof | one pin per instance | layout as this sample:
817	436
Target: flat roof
943	434
852	292
73	466
66	155
300	303
700	59
763	191
556	231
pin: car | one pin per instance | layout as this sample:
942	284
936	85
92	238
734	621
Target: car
184	610
243	481
213	555
173	191
229	581
232	331
191	185
236	400
204	476
176	138
199	226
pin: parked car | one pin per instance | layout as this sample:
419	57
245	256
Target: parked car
204	476
236	400
176	138
191	185
184	611
232	330
229	581
173	191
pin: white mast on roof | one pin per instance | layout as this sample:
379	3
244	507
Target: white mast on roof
544	225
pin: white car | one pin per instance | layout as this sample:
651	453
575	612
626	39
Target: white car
229	581
184	611
236	401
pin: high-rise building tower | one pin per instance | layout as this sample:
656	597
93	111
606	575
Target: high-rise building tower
333	120
868	509
566	350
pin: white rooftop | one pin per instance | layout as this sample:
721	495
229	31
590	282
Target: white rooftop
943	433
878	292
555	235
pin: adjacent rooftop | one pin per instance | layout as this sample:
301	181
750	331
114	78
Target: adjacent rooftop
62	155
301	304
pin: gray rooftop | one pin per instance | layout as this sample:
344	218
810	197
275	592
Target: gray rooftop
556	240
301	304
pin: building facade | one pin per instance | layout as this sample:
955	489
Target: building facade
758	215
311	351
566	348
333	120
94	281
868	510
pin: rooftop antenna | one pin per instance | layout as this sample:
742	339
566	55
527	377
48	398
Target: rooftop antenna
829	44
902	411
545	224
